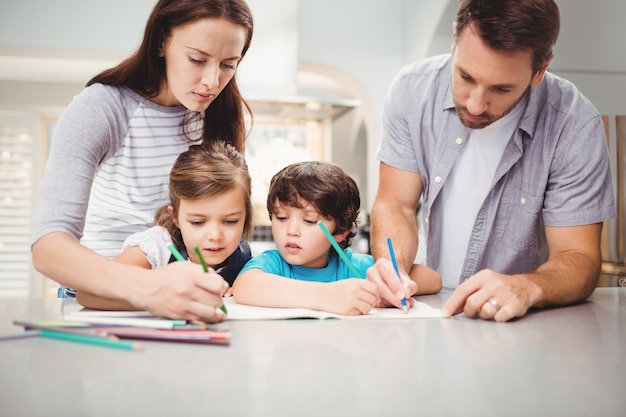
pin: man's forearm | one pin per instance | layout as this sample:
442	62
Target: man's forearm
401	228
565	279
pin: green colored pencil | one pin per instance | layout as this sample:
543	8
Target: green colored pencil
175	252
206	269
340	252
93	340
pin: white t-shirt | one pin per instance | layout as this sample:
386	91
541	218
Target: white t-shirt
154	243
465	190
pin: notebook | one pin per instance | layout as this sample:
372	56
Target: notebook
237	311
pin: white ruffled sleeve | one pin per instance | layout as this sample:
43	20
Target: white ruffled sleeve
153	242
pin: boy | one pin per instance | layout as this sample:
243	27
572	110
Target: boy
305	271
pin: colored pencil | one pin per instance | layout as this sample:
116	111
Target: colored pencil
19	335
179	257
340	251
58	327
149	322
175	252
181	336
206	269
90	339
395	266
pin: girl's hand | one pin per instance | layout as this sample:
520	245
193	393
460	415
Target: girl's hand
229	292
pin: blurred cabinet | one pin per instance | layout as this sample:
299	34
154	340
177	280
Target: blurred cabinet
614	230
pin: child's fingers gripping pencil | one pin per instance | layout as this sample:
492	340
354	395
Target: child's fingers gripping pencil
395	266
206	269
340	252
179	257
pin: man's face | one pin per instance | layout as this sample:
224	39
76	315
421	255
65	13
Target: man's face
487	84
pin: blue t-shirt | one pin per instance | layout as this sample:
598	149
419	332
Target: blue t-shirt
271	262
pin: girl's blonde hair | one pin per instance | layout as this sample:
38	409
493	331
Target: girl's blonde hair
205	171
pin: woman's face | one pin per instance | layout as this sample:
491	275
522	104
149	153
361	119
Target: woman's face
201	57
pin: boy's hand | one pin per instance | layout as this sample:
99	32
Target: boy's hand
350	296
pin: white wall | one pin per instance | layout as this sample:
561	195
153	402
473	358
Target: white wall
367	41
82	25
361	43
590	51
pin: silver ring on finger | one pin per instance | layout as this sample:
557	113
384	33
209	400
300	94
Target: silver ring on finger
494	303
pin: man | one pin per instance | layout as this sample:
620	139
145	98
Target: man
508	161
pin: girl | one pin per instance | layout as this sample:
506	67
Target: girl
120	137
210	207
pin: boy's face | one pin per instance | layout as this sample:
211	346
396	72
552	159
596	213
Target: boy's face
298	238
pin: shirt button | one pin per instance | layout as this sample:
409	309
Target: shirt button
523	201
459	141
437	179
426	220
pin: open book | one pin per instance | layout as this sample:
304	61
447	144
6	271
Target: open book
236	311
243	312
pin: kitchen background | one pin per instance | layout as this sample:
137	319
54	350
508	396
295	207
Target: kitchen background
316	76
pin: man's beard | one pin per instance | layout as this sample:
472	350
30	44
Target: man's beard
486	118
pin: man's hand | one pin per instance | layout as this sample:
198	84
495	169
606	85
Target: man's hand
489	295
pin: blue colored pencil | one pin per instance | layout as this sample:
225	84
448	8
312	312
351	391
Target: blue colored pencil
395	266
340	252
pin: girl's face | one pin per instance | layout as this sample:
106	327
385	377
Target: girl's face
201	58
214	224
298	238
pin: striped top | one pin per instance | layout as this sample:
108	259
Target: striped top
109	165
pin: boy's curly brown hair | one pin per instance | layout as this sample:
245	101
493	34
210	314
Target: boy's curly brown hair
333	193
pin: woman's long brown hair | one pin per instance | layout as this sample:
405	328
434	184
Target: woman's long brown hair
144	70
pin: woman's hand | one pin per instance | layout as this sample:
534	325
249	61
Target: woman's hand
182	290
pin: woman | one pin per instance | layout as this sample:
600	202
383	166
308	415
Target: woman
115	144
